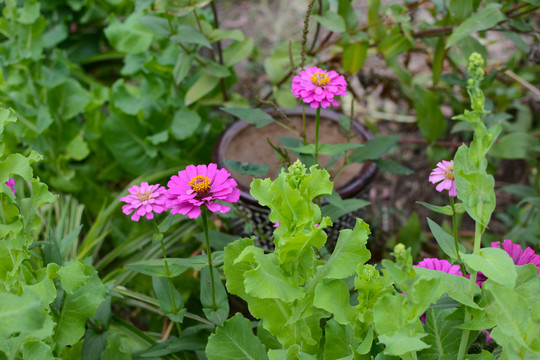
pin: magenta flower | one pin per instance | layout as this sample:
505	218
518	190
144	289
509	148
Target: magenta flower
200	185
144	200
440	265
318	87
444	172
11	183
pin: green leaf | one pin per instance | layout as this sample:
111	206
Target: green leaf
221	312
430	118
181	69
173	345
44	119
401	343
29	13
254	116
337	207
36	350
445	240
461	9
484	19
221	34
204	85
347	12
279	64
156	268
174	310
332	21
324	149
476	191
333	296
445	210
185	123
517	145
131	36
77	148
395	44
20	314
392	167
249	168
72	276
340	341
495	264
236	341
374	148
189	35
350	251
68	99
237	51
157	24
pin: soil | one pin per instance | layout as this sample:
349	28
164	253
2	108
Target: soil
251	145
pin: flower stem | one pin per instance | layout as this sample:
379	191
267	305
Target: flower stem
317	122
465	335
456	239
304	123
204	214
171	287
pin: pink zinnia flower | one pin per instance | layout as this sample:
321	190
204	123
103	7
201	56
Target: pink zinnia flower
11	183
144	200
318	87
440	265
200	185
444	172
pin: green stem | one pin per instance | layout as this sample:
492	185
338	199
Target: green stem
171	287
456	239
317	122
465	335
209	253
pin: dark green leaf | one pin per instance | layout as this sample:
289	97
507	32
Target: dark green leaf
190	35
185	123
131	36
253	116
173	309
249	168
331	21
445	240
237	51
354	56
431	121
325	149
484	19
204	84
374	149
392	167
219	314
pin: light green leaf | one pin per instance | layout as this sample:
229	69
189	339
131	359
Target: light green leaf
36	350
20	314
333	296
495	264
220	34
445	240
350	251
77	148
185	123
29	13
401	343
131	36
181	69
517	145
254	116
73	276
332	21
235	340
189	35
238	51
484	19
204	84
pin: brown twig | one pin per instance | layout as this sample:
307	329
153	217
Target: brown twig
220	52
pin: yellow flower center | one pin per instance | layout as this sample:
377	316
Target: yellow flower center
320	79
200	184
449	172
143	196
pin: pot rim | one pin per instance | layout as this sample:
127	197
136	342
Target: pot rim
349	190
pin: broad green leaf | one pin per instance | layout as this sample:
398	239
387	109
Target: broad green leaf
484	19
237	51
235	340
189	35
156	268
20	314
157	24
36	350
392	167
265	280
77	308
333	296
431	121
324	149
395	44
517	145
279	64
445	240
73	276
249	168
29	13
332	21
185	123
221	34
77	148
181	69
204	85
131	36
350	251
445	210
125	138
123	98
374	148
495	264
68	99
402	343
44	119
337	207
15	164
174	310
347	12
340	341
219	314
461	9
254	116
475	190
179	7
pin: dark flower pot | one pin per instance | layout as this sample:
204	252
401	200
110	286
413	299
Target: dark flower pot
243	142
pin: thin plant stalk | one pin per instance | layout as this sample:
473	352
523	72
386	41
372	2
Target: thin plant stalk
204	214
304	136
456	239
465	335
317	122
